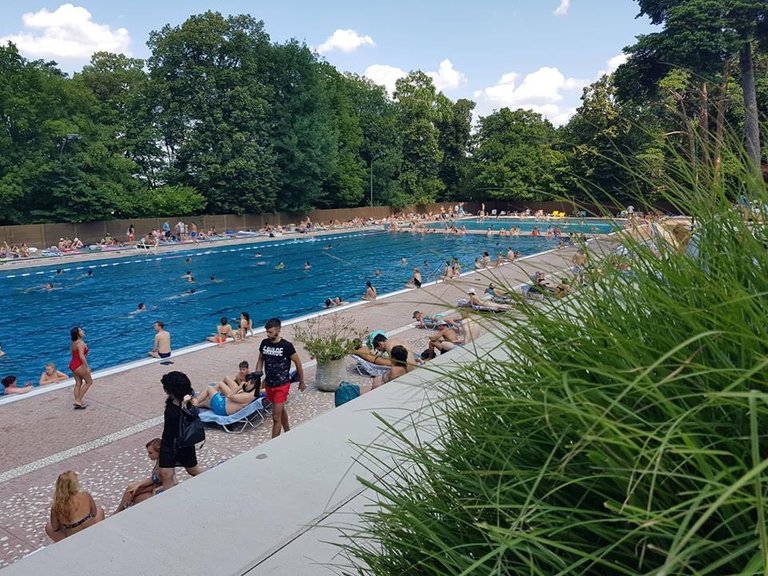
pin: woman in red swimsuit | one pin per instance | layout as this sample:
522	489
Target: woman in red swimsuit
79	367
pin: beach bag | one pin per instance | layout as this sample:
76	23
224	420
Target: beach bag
191	430
346	392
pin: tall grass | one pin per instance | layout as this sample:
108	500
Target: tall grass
624	432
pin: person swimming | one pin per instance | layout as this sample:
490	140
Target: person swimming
280	266
216	280
307	266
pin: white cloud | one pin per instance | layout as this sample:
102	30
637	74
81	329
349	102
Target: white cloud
67	33
345	41
447	77
542	91
562	10
613	64
385	75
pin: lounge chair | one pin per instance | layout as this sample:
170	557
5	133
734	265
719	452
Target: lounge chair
365	368
248	417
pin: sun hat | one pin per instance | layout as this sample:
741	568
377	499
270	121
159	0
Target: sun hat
471	291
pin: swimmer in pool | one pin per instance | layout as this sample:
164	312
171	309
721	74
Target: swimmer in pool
280	266
216	280
187	275
257	255
307	266
377	273
88	274
1	351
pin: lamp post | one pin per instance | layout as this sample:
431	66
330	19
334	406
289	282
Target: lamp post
374	157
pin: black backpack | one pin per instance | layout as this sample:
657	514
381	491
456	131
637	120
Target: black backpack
191	430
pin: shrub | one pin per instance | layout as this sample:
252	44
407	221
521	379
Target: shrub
622	431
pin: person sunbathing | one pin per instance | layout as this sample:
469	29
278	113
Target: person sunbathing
444	339
490	305
73	510
223	332
225	400
360	349
137	492
400	365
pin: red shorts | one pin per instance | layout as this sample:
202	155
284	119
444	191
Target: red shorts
278	394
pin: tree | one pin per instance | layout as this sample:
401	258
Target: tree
705	36
422	156
214	111
515	158
454	123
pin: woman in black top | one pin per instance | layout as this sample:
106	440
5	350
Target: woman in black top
176	385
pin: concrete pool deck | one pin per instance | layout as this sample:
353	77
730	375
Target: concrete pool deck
105	443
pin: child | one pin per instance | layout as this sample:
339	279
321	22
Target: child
275	357
140	491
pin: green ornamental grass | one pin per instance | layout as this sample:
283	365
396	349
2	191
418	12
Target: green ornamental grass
622	432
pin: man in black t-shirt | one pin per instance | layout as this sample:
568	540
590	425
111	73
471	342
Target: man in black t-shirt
275	357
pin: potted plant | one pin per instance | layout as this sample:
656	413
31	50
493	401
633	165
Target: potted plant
328	339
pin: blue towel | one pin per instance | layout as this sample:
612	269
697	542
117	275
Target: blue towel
209	416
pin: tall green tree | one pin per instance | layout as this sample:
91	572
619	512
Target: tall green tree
454	124
515	157
419	180
213	109
704	36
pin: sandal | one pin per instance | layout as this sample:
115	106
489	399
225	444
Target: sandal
80	406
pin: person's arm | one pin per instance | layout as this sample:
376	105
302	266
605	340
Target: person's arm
61	376
145	484
156	345
44	379
94	510
260	363
299	370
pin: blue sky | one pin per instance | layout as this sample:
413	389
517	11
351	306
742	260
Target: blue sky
535	54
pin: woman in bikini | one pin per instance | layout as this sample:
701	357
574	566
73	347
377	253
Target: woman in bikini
79	366
246	325
223	332
72	510
139	491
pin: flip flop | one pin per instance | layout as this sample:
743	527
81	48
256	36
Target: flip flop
80	406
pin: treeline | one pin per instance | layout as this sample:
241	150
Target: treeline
220	119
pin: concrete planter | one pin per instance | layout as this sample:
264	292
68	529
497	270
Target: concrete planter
328	375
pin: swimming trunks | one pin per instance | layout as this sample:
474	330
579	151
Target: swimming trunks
278	394
164	354
156	478
76	362
219	404
78	523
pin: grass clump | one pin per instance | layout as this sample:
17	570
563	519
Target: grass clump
623	430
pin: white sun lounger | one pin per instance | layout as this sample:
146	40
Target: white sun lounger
248	417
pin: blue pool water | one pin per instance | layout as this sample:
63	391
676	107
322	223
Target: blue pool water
566	225
35	324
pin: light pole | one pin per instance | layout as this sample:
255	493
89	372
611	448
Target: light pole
374	157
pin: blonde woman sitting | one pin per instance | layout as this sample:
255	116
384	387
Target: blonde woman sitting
72	511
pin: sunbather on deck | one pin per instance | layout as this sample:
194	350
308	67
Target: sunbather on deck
224	401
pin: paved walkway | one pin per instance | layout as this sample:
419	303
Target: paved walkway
43	436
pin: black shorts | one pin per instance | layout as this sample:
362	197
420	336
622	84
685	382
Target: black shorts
170	458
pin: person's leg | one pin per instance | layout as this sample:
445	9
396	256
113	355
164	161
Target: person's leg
87	383
194	470
167	477
277	418
284	420
78	386
203	397
53	535
227	386
100	514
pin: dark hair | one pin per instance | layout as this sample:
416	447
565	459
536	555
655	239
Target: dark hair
273	323
378	339
245	315
160	323
399	356
154	443
74	334
368	283
177	385
8	380
243	364
328	302
223	320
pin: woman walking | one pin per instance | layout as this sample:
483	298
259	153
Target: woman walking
176	385
79	367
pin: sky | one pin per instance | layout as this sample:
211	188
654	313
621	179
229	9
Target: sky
533	54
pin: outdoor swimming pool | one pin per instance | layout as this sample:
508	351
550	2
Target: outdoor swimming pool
566	225
35	325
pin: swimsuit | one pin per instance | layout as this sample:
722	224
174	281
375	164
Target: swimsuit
219	404
78	523
76	362
164	354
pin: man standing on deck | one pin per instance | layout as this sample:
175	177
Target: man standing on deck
275	357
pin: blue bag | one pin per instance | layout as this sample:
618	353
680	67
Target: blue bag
346	392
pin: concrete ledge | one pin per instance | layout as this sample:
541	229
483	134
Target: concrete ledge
261	510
